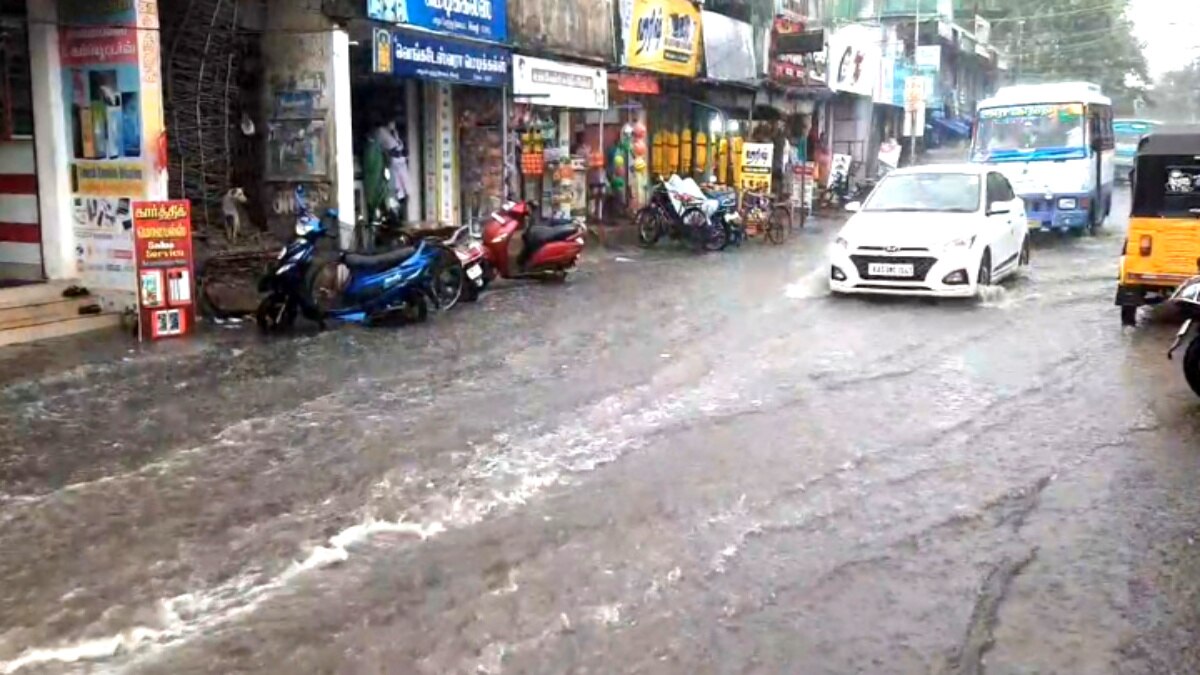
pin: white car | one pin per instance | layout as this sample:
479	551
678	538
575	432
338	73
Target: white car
943	231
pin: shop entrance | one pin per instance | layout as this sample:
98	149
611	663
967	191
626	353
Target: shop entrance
20	228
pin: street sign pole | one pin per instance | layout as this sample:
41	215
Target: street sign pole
912	158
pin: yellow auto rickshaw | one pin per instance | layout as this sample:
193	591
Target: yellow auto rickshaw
1162	249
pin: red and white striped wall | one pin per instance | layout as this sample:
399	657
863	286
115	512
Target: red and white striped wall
20	229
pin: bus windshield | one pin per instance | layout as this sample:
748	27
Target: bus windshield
1052	131
1128	133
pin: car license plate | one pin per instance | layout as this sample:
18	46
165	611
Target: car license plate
1035	224
474	272
889	270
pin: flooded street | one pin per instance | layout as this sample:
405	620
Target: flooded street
669	465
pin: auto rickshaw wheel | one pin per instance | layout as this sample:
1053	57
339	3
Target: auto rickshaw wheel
1128	315
1191	365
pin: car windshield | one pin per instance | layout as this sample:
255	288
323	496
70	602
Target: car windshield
1029	130
949	192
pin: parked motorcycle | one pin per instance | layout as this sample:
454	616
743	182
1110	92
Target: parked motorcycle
354	289
515	248
473	259
1187	298
680	210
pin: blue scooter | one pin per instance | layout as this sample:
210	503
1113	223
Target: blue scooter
356	289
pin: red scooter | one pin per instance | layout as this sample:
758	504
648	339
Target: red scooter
517	250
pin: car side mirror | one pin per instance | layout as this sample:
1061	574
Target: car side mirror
854	207
998	208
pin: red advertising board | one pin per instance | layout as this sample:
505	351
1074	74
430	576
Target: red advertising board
636	83
165	268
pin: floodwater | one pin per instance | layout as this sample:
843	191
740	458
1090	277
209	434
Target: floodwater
670	464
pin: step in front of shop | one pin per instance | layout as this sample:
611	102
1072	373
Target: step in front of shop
40	312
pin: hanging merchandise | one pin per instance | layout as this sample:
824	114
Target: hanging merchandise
658	153
735	155
701	152
685	151
723	161
673	151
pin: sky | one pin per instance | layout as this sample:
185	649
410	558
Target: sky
1171	31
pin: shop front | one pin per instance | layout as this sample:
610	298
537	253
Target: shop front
798	89
429	113
659	131
558	118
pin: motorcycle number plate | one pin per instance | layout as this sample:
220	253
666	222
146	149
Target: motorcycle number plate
474	272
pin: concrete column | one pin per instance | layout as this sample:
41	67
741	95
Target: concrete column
412	114
307	71
52	142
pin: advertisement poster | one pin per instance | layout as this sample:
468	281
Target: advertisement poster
728	49
478	19
664	37
855	52
757	161
449	61
112	112
165	269
560	85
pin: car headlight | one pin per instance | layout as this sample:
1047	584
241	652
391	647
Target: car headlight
960	244
1067	204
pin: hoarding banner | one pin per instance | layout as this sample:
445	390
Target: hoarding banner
560	85
663	36
854	55
478	19
728	48
433	58
165	268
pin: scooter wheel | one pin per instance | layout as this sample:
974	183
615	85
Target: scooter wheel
1191	365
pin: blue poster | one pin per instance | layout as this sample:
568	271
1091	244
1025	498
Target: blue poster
478	19
432	58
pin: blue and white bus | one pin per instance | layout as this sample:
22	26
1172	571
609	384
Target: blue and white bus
1055	144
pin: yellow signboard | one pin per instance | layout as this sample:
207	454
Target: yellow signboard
110	179
757	163
664	36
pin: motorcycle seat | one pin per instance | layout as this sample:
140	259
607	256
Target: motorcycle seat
378	261
540	235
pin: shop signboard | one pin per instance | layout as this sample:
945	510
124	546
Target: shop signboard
663	36
929	57
854	54
756	162
433	58
914	106
559	85
728	48
797	55
636	83
885	92
478	19
165	268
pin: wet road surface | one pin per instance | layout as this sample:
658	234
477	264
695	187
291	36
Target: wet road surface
668	465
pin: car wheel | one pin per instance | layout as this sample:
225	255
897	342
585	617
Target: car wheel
984	278
1191	366
1025	253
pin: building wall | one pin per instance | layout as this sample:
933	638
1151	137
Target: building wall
20	231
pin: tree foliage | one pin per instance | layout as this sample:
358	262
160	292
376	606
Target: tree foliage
1091	40
1176	95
